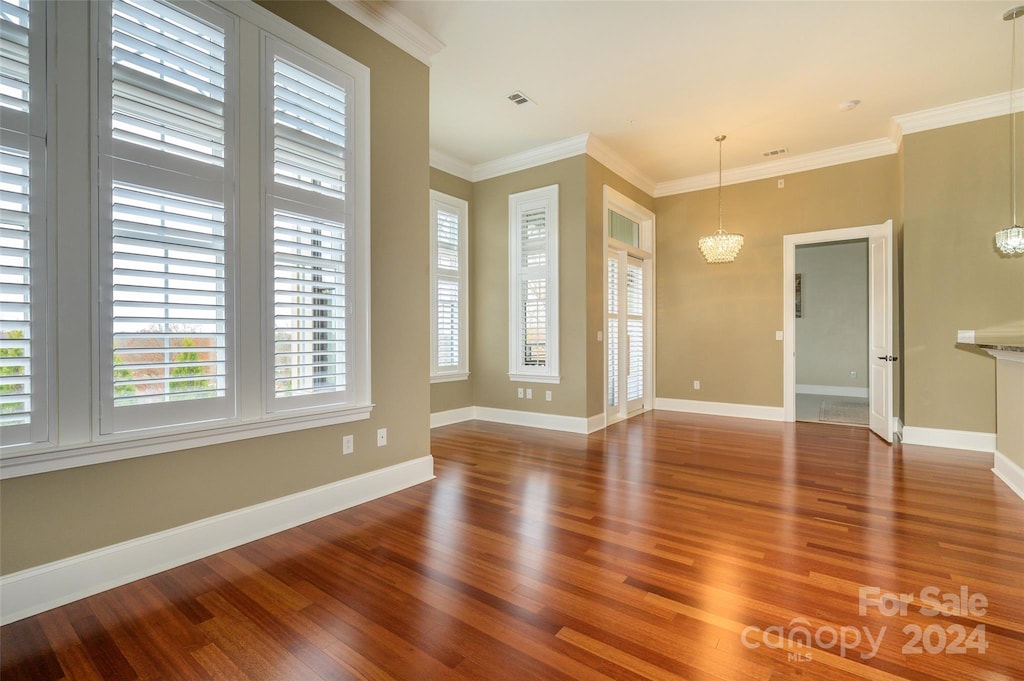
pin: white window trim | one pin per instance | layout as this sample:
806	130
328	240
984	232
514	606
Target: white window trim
74	439
517	204
460	207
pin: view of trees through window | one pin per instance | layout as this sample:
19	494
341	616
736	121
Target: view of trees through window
177	360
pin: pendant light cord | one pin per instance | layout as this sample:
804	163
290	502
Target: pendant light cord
720	139
1013	125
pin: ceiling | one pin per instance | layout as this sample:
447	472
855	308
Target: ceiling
656	81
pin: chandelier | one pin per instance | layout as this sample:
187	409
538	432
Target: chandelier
721	246
1010	241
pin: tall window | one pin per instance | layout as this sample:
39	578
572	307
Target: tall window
23	240
533	285
312	236
166	216
198	265
449	360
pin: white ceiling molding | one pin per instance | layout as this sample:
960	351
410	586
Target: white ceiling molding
393	26
556	151
960	112
603	154
450	164
787	166
918	121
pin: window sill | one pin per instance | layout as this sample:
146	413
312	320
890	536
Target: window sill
447	378
24	460
534	378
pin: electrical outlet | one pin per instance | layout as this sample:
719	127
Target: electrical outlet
520	392
778	335
348	444
600	336
547	395
853	374
782	183
529	393
382	437
696	385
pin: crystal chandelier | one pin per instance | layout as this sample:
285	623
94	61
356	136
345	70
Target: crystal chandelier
1010	241
720	246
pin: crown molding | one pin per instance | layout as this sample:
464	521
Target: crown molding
918	121
604	155
556	151
954	114
450	164
818	159
393	26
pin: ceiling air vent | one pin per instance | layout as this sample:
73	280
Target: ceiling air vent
774	152
519	99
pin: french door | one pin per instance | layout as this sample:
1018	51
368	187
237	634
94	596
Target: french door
628	334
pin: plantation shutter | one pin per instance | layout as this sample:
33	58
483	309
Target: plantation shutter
169	227
22	223
635	330
448	293
311	232
534	294
534	284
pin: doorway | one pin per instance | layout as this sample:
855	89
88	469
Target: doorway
831	310
880	316
629	307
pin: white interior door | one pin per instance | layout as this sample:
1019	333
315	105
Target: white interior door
880	329
880	335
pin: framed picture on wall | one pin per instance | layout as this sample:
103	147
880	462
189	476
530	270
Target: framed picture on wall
798	298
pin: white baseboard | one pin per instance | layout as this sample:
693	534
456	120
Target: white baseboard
952	439
446	418
746	411
837	390
1010	472
530	419
37	589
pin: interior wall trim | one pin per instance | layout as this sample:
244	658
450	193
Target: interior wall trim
951	439
746	411
530	419
447	418
35	590
1009	472
393	26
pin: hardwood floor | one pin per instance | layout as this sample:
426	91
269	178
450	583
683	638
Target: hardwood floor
668	546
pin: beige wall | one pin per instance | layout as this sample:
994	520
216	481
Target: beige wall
1010	406
54	515
957	185
598	176
489	311
455	394
832	333
717	323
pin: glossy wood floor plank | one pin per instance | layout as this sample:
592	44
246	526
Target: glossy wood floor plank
668	546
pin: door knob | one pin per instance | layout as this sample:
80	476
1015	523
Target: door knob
888	358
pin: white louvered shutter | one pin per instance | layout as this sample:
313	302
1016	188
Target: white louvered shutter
635	330
449	360
311	231
23	403
168	225
534	297
534	283
612	341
